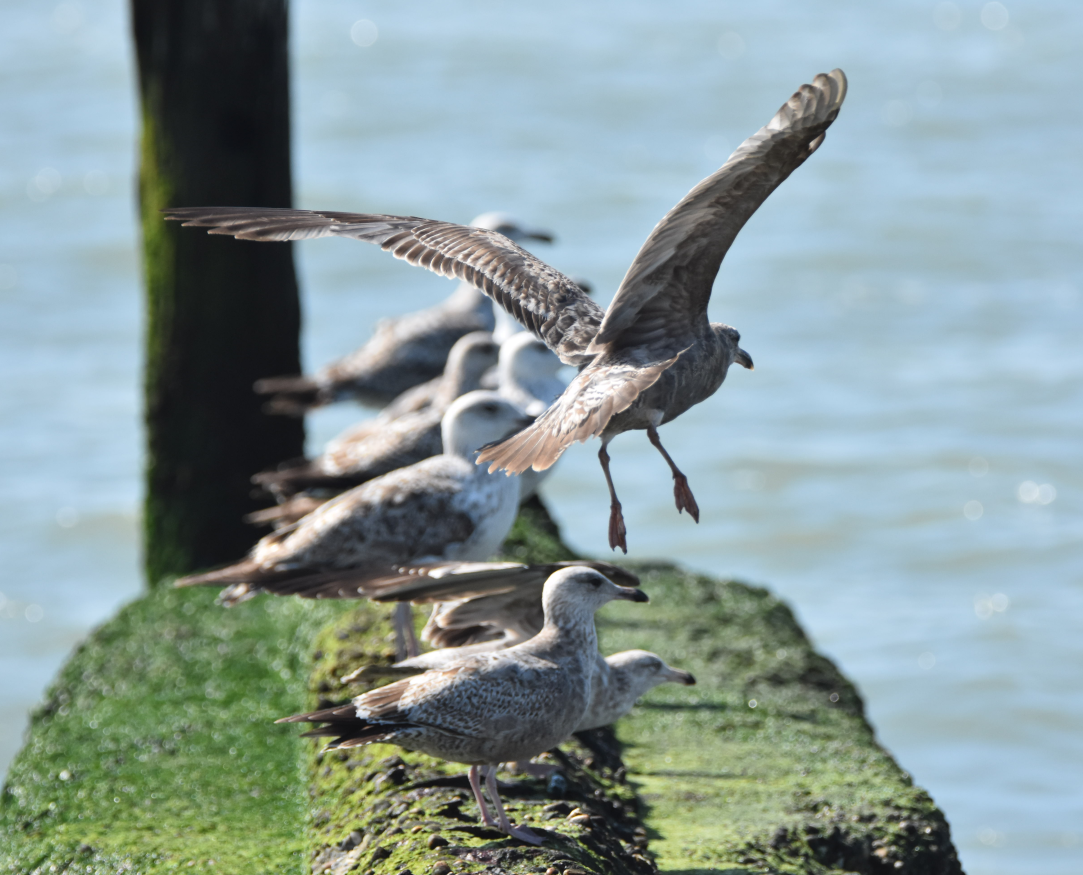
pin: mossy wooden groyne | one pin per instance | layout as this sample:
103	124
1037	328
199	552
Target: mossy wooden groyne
155	752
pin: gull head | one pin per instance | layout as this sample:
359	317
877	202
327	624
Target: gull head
643	670
731	337
479	418
471	356
572	595
511	227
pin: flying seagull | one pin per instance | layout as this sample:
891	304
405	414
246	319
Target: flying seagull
403	352
493	707
653	353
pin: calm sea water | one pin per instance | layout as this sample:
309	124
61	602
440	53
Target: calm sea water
903	464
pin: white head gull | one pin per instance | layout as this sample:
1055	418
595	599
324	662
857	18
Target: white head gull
403	352
443	508
653	353
494	707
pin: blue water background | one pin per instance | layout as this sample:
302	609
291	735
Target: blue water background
904	463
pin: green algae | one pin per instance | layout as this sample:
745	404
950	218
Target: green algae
154	749
378	808
767	764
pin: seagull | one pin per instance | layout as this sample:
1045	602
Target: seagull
385	445
494	707
443	508
527	373
403	352
621	679
653	353
480	601
480	607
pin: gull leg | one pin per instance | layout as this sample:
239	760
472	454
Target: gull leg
406	645
617	531
681	493
523	833
475	785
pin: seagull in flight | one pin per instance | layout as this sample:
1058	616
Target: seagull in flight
647	358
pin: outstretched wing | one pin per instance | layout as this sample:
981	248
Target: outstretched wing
669	282
541	298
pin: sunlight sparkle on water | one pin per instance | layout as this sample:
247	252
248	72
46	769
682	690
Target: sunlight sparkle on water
987	605
1030	492
364	33
994	16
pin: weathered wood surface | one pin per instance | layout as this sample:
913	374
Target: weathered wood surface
213	81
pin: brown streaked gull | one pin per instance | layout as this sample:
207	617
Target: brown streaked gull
495	707
383	445
653	353
402	352
478	602
443	508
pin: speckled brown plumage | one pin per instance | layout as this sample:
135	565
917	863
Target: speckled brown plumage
653	353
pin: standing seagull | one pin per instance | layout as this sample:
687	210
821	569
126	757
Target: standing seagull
491	707
362	454
403	352
444	508
648	358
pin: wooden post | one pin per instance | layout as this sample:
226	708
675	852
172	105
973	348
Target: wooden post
214	83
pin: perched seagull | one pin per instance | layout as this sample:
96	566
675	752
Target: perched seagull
443	508
625	677
494	707
527	373
527	376
362	455
481	607
474	602
648	358
403	352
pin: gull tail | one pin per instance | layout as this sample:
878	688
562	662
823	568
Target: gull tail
600	392
290	396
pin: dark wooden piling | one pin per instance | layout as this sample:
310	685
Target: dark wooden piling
213	79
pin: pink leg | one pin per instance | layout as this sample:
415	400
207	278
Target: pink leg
475	785
681	493
406	645
523	833
617	531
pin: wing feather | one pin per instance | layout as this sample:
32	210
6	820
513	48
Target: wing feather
541	298
669	283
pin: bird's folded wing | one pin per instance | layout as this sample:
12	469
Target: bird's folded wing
451	581
541	298
670	280
364	533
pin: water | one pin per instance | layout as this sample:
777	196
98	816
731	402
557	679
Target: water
911	297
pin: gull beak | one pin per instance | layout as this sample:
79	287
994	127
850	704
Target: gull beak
744	359
538	234
682	677
631	594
